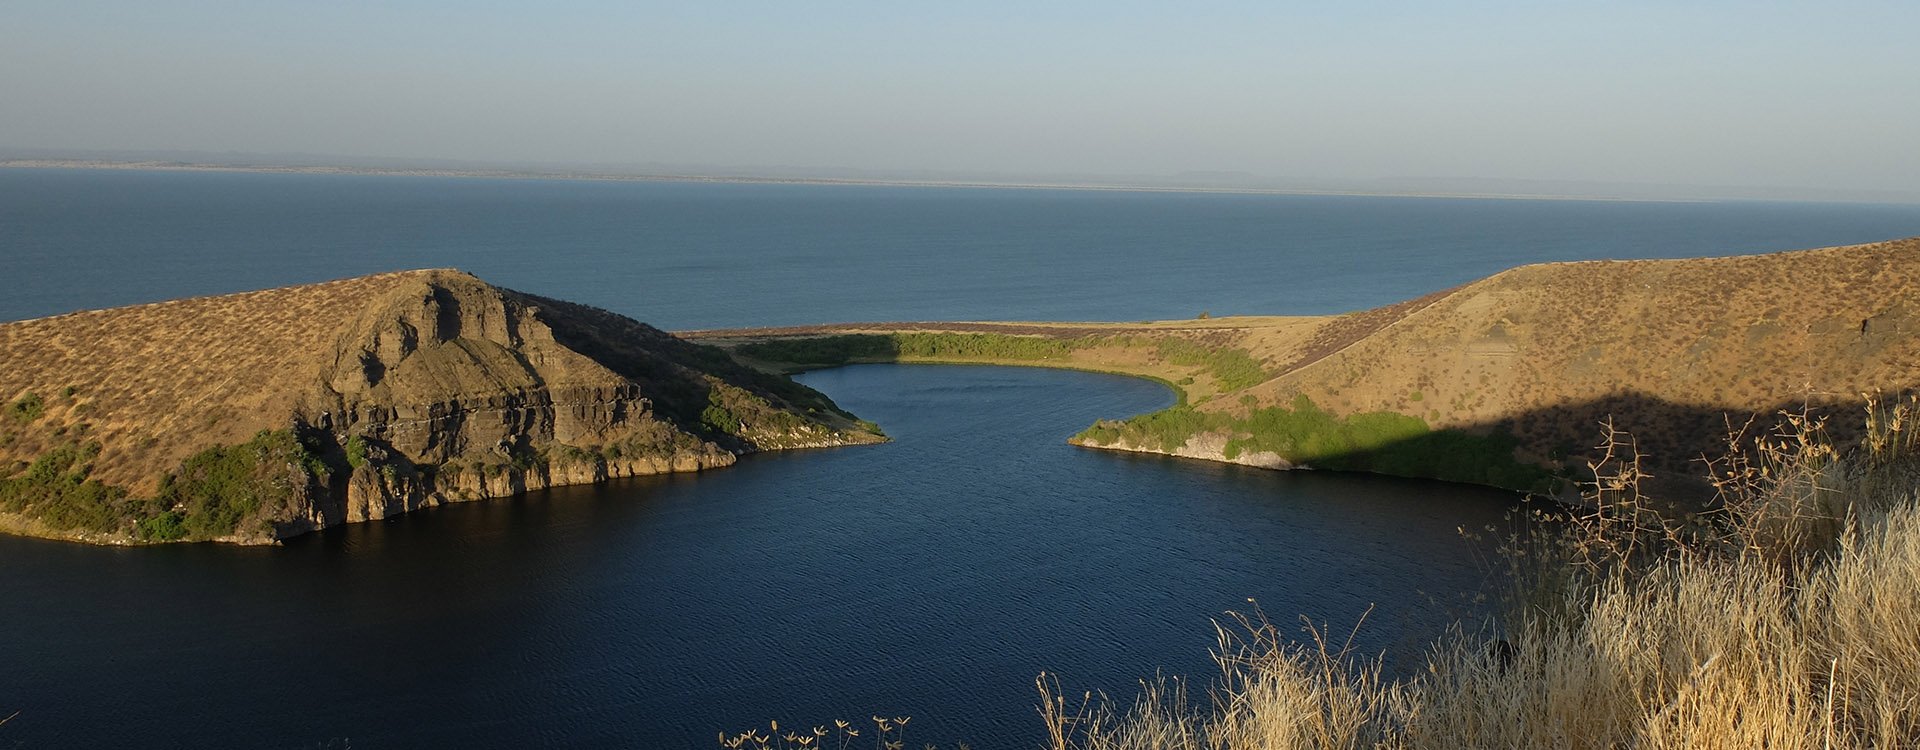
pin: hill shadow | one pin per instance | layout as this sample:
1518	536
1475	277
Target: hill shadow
1677	443
667	368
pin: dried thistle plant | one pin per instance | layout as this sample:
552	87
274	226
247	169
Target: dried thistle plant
889	733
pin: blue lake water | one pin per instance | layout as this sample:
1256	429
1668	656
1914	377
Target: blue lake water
932	577
690	255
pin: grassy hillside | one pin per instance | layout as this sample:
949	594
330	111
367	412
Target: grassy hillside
1663	347
253	416
1503	381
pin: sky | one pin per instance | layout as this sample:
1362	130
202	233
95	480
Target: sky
1815	95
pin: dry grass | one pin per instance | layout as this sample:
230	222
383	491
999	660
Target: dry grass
1541	352
1788	617
1346	330
1658	344
156	382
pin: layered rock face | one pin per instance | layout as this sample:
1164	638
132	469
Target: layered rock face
402	391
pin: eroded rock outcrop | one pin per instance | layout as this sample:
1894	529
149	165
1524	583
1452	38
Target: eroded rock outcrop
362	399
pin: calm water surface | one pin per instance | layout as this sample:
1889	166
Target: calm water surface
689	255
932	577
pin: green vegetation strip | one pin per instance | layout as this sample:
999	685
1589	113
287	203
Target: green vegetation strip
55	489
1378	442
215	493
1232	368
829	351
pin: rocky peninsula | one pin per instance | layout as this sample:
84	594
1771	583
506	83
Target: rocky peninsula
253	417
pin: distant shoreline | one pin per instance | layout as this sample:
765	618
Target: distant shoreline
167	166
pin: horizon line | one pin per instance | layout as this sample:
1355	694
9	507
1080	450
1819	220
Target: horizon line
160	165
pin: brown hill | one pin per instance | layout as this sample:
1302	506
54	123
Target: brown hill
379	395
1670	349
1490	382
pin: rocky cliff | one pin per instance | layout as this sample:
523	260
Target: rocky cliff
253	417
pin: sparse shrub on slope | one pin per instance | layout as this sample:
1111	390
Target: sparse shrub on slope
1232	368
56	490
823	351
984	346
229	489
27	408
717	417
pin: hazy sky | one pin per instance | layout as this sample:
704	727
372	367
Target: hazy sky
1814	94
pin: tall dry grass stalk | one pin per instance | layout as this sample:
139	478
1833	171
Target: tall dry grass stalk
1785	616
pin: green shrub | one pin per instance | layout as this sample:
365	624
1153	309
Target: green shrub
356	449
717	417
56	490
308	447
1167	429
984	346
1377	442
211	495
572	454
168	526
27	408
218	488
